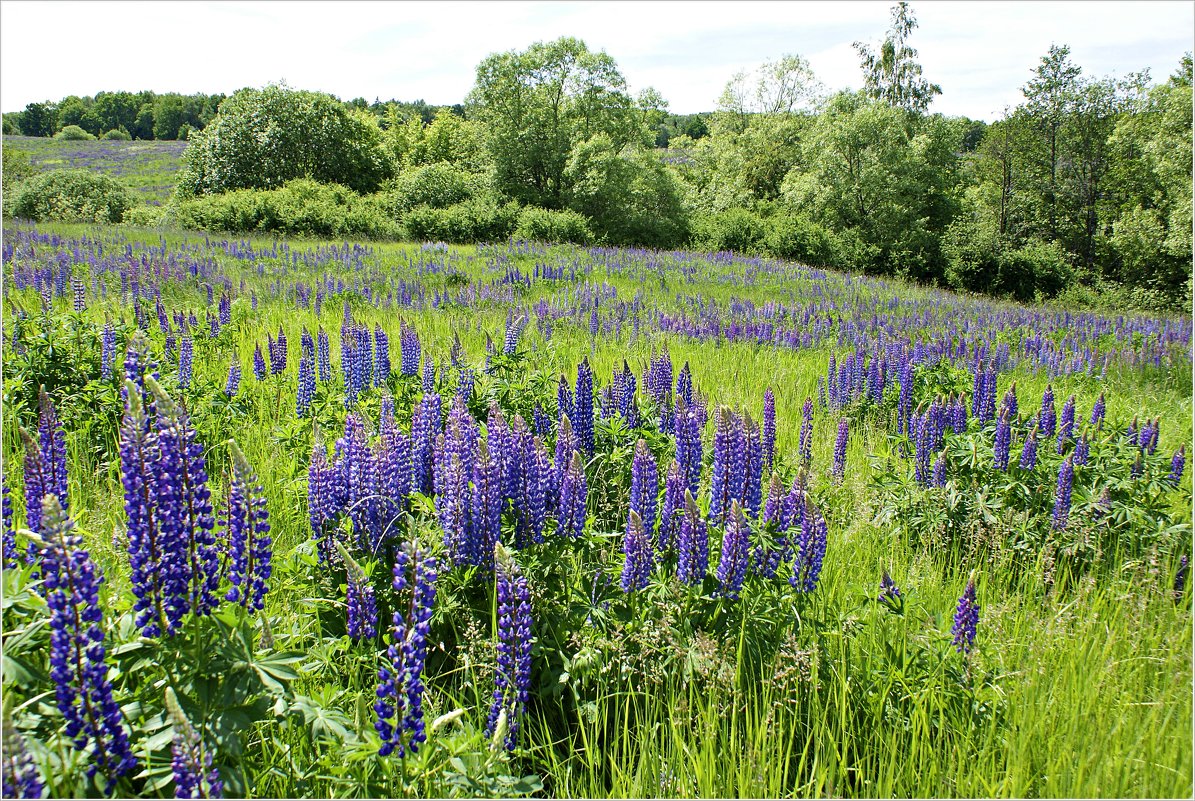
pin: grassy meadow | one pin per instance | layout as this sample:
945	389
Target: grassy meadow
1078	682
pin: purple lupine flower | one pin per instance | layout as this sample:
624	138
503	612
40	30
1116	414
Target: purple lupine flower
583	406
810	550
687	429
1009	402
732	564
361	607
487	505
1151	442
805	444
452	500
1002	441
234	378
512	679
78	664
21	779
1029	452
1177	465
769	431
191	762
400	692
323	355
638	557
259	364
186	358
645	487
938	478
889	592
1062	497
1097	412
321	502
381	352
425	426
514	331
246	528
183	507
10	538
593	322
306	389
1132	434
570	512
673	507
1047	418
409	342
966	620
429	375
278	353
1066	425
564	401
693	544
722	483
45	462
533	479
839	467
1082	450
393	460
684	385
752	486
107	351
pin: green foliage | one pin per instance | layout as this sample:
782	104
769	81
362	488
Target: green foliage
73	133
117	134
479	220
72	196
17	167
538	103
892	75
738	230
38	120
300	208
546	225
630	197
798	238
263	138
448	138
437	185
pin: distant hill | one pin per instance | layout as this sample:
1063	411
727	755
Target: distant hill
148	167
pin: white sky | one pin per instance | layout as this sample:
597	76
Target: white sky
981	53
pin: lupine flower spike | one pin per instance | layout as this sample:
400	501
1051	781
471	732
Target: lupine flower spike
966	619
194	776
512	680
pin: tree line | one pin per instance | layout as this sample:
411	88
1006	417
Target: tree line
1083	189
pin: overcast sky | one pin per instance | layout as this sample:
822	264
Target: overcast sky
981	53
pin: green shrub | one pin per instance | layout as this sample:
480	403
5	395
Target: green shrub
735	229
73	133
116	134
800	239
477	220
544	225
261	139
300	208
437	185
145	216
72	196
1037	267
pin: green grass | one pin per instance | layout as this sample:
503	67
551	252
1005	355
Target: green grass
1079	688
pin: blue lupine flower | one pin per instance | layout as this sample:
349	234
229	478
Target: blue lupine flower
1066	425
512	679
769	431
1002	441
810	550
78	664
752	487
186	360
889	592
191	759
107	351
361	608
687	429
246	525
693	544
400	692
1082	450
570	513
381	353
1047	418
1029	452
645	487
1178	463
259	364
1097	412
732	564
722	487
673	507
306	389
234	378
45	463
839	467
637	552
10	538
409	342
278	353
1062	496
805	444
938	479
514	331
323	356
487	505
966	620
21	779
583	406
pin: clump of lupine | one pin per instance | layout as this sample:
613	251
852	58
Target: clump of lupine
512	679
399	707
45	463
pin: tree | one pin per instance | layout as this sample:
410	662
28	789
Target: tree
263	138
893	75
170	113
538	104
774	88
38	119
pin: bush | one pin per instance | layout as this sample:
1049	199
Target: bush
73	133
735	229
1037	267
72	196
261	139
145	216
436	185
300	208
800	239
544	225
117	135
478	220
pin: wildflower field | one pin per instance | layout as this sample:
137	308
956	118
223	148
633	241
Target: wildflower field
324	519
148	168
